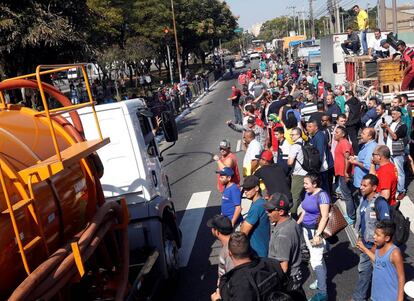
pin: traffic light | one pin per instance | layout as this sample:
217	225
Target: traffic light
167	35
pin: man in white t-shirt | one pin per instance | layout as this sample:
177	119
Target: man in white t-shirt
375	50
295	160
253	149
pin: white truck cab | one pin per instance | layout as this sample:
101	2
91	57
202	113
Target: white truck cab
132	170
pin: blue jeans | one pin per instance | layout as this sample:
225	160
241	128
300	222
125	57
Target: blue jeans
364	43
364	278
347	188
399	163
238	118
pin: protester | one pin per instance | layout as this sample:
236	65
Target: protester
370	117
231	198
227	159
235	97
388	277
383	118
237	284
221	228
320	142
256	224
315	204
362	162
352	42
285	240
332	108
365	225
343	170
259	132
272	175
408	56
353	113
362	22
395	135
295	160
386	173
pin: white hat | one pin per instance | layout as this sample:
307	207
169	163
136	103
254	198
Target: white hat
409	288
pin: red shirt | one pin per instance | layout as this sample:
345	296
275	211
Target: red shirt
236	177
242	79
342	147
249	74
387	175
321	88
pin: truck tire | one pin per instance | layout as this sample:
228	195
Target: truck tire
171	244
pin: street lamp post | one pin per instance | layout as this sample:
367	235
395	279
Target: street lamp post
176	41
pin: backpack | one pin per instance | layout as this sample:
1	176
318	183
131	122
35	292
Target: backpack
402	224
267	278
311	158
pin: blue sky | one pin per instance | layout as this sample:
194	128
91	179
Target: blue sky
255	11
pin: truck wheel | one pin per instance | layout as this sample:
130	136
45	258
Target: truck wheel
171	253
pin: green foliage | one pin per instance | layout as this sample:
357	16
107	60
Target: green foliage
36	32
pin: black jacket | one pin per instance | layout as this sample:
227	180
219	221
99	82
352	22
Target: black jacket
238	283
354	117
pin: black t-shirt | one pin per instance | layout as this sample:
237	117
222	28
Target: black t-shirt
318	117
275	106
274	178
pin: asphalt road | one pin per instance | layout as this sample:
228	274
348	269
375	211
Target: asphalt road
190	167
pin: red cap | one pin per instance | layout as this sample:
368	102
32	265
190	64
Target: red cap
266	155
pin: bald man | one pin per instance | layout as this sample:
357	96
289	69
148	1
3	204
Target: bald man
362	162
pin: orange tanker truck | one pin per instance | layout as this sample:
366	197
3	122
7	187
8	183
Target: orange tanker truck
64	236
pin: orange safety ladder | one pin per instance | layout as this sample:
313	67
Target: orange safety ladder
49	167
11	209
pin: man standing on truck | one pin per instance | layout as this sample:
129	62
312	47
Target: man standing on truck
362	21
408	56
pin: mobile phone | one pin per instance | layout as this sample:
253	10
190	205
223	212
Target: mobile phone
383	120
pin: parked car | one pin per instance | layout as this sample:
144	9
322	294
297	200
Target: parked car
239	64
254	55
246	59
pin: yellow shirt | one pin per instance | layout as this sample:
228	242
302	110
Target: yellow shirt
289	139
362	20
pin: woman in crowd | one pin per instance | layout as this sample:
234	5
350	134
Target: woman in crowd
315	205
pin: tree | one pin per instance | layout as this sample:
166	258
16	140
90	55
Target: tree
40	32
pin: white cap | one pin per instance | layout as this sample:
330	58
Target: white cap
409	288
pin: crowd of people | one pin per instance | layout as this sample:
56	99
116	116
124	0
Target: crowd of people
308	144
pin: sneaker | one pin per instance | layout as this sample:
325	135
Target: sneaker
349	220
314	285
400	196
319	297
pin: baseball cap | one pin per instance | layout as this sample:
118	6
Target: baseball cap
251	119
383	42
220	223
274	118
226	171
277	201
320	77
250	182
265	155
224	143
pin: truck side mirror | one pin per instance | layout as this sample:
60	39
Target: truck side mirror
169	126
334	68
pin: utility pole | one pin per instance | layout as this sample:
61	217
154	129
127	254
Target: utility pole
394	17
304	23
331	15
293	8
312	22
382	11
176	42
337	18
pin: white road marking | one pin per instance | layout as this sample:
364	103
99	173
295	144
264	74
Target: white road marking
238	147
191	222
407	209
